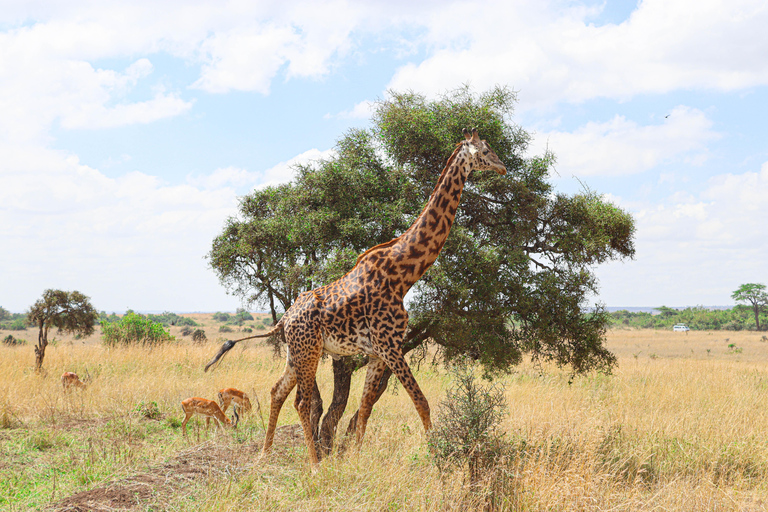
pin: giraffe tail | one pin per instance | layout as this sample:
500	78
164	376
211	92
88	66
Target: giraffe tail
227	346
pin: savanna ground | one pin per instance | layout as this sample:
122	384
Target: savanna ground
682	424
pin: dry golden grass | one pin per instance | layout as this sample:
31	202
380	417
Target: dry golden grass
680	425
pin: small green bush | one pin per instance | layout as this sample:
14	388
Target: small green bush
148	410
199	336
133	329
221	317
225	328
466	434
12	342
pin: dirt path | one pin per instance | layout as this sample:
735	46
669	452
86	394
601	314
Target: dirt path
210	459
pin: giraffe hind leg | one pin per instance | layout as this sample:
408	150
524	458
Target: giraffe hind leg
306	372
280	392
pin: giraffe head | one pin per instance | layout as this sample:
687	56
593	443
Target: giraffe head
481	154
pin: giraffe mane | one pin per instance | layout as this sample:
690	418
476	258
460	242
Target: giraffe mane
394	240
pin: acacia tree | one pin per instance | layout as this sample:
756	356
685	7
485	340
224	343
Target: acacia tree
755	295
513	276
69	312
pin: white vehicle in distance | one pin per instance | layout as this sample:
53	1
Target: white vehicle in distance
680	328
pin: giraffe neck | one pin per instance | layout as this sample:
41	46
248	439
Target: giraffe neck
417	249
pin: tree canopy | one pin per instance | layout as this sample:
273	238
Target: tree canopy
68	312
755	295
516	271
514	275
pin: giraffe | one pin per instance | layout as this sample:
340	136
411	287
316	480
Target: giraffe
363	310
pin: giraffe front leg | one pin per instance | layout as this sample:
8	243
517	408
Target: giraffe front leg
396	362
280	392
375	370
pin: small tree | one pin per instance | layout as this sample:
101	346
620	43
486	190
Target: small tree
69	312
754	294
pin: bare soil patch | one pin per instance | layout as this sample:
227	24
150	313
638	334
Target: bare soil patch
194	465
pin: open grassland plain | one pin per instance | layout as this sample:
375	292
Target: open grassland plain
682	424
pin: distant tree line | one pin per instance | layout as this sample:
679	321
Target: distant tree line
699	318
12	321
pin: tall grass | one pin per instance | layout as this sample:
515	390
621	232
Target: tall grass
675	428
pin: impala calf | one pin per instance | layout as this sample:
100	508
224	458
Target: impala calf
229	395
203	407
69	379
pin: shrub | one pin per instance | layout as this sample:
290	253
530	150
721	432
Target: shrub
221	317
17	324
169	318
12	342
199	336
103	317
466	434
225	328
133	329
148	410
186	330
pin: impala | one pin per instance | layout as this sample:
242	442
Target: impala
203	407
229	395
69	379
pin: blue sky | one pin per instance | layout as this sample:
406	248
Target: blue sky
128	130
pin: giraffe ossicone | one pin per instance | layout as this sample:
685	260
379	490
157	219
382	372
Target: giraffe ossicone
363	310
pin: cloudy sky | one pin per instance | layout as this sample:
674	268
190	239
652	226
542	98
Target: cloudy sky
129	129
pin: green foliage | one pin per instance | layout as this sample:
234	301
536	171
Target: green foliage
221	317
68	312
696	318
17	323
4	314
103	317
515	273
225	328
149	410
168	318
132	329
12	342
755	295
199	336
467	432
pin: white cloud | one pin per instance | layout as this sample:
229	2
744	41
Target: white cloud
284	171
131	241
552	54
362	110
701	246
621	147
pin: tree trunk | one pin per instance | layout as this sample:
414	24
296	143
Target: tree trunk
316	412
42	342
343	369
757	316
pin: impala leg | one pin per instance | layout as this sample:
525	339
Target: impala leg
184	423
